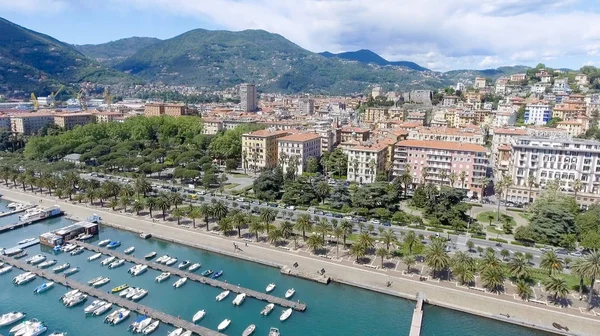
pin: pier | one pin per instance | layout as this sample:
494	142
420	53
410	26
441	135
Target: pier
417	319
27	223
195	277
133	306
4	214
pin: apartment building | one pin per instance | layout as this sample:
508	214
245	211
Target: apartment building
450	101
538	113
502	137
428	159
70	120
366	161
211	126
248	100
374	114
463	135
507	118
259	149
306	106
354	133
158	109
30	123
302	146
548	159
479	83
573	127
104	117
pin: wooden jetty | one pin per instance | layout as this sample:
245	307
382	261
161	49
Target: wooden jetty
195	277
4	214
114	299
417	319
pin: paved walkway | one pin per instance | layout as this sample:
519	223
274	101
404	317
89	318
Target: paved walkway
444	294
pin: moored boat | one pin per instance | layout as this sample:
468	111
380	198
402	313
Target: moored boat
85	237
223	325
104	242
10	318
267	310
239	299
68	248
122	315
289	293
94	280
206	272
120	288
26	279
151	328
139	269
61	268
198	316
22	325
48	263
162	277
126	292
270	288
25	241
43	287
103	309
171	261
5	269
113	244
194	267
184	264
129	250
116	263
176	332
218	274
101	282
162	259
71	271
274	332
249	330
36	259
139	294
145	235
222	295
94	256
150	255
77	251
141	325
94	306
285	314
187	333
180	282
108	260
75	300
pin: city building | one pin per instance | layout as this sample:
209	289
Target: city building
538	113
573	127
502	119
470	134
449	101
518	77
104	117
377	91
259	149
211	126
354	133
306	106
479	83
429	161
248	100
503	137
70	120
30	123
365	161
302	146
561	86
158	109
554	159
374	114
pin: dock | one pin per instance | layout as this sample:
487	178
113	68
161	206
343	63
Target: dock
4	214
21	247
417	319
26	223
116	300
198	278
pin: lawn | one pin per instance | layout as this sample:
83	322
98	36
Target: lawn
539	275
484	217
231	185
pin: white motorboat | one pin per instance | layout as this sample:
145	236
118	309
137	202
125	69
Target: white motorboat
75	300
70	293
85	237
139	270
289	293
122	315
108	260
34	330
285	315
25	279
18	255
171	261
270	287
69	248
92	307
198	316
151	328
223	325
103	309
267	310
22	325
139	294
141	325
43	287
162	259
111	316
71	271
187	333
94	280
184	264
25	241
30	214
5	269
239	299
274	332
194	267
222	295
249	330
101	282
116	263
133	292
22	275
14	205
129	250
48	263
10	318
126	292
180	282
94	256
104	242
36	259
61	268
56	333
162	277
176	332
150	255
77	251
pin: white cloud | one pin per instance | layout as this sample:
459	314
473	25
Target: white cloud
34	6
489	61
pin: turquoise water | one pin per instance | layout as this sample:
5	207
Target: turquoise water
332	310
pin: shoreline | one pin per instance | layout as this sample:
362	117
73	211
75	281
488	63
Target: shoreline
160	230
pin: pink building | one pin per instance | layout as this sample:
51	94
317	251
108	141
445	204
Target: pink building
429	160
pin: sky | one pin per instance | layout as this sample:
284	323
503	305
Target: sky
438	34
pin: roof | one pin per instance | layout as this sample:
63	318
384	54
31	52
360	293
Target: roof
513	131
442	145
266	133
376	147
73	115
569	122
354	130
301	137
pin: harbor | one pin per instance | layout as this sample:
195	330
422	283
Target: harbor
17	210
34	217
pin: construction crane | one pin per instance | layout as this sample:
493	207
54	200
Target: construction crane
54	94
107	97
34	101
81	97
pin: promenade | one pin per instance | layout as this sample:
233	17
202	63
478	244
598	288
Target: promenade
438	293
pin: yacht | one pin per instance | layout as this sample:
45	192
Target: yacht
162	277
94	256
139	294
223	325
25	279
162	259
5	269
285	314
176	332
116	263
249	330
10	318
239	299
104	242
107	260
171	261
289	293
274	332
184	264
69	247
22	325
92	307
270	288
85	236
43	287
75	300
198	316
48	263
141	325
71	271
25	241
30	214
151	328
36	259
180	282
129	250
61	268
103	309
140	269
77	251
69	293
113	244
150	255
101	282
267	310
33	330
194	267
223	295
122	315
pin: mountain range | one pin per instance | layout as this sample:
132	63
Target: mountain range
34	62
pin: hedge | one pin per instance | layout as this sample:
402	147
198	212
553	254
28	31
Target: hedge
519	243
498	240
434	229
479	236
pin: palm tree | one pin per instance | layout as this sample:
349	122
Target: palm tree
238	220
323	228
424	175
463	178
126	190
578	269
551	263
178	214
267	216
531	184
371	166
142	186
150	204
79	198
224	225
59	193
175	199
452	177
338	232
125	202
406	178
274	236
315	242
388	237
113	189
303	224
194	214
577	186
410	240
409	260
436	257
91	195
287	229
519	267
205	211
591	263
443	177
137	207
163	204
528	257
493	278
219	210
113	203
347	227
357	251
366	241
463	267
256	227
557	286
524	290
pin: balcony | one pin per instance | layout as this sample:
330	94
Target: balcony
437	159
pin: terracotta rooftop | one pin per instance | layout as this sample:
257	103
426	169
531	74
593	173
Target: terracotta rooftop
354	129
301	137
376	147
442	145
266	133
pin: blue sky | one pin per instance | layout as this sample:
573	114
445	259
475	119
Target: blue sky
439	34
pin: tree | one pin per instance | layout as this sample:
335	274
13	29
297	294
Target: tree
287	229
347	227
125	202
388	237
505	253
312	165
256	227
551	222
323	228
524	290
274	236
303	224
338	232
225	225
410	240
382	253
231	164
267	216
357	251
557	286
577	186
142	186
238	220
339	197
150	203
113	203
267	186
163	204
436	257
322	191
519	267
406	178
194	214
463	267
137	207
205	211
470	245
493	279
551	263
315	242
219	210
591	264
409	260
178	214
579	269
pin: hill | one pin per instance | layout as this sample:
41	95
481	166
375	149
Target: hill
31	61
111	53
464	75
368	57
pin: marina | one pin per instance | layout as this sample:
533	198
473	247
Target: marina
17	210
41	215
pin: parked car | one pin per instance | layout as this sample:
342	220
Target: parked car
562	251
546	249
311	210
375	221
386	223
291	207
576	254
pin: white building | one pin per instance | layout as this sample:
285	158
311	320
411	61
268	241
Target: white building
561	86
365	161
248	99
301	145
538	113
502	119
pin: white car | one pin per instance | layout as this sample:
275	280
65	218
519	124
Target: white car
576	254
291	207
241	199
201	192
375	221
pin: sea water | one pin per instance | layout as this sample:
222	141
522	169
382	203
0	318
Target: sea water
333	309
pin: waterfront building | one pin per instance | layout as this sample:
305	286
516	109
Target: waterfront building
70	120
259	149
366	161
30	123
60	236
302	146
248	100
